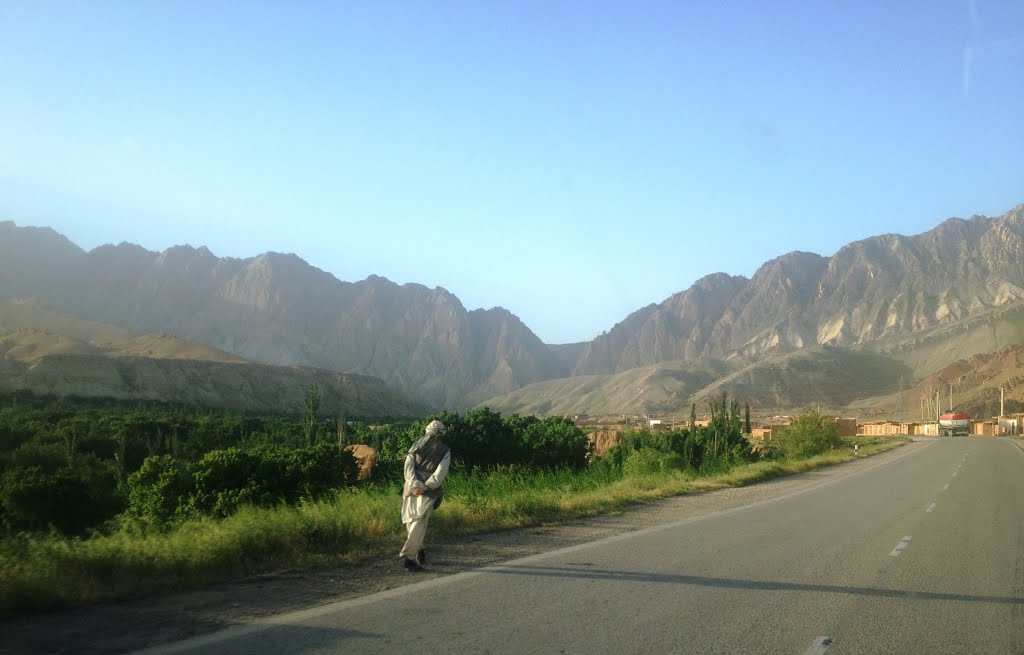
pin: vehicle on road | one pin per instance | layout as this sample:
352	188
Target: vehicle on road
954	424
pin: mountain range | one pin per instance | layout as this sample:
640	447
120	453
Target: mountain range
879	315
54	354
277	309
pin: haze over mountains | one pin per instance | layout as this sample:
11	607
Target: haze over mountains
885	286
49	353
804	329
277	309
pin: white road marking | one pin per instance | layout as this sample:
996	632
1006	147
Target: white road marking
930	507
946	488
904	542
956	474
819	646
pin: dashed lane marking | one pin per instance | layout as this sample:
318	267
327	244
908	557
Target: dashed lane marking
904	542
819	646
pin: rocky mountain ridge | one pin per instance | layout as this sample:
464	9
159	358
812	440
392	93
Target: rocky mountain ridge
884	286
910	298
277	309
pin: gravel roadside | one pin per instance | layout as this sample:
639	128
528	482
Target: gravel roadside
131	625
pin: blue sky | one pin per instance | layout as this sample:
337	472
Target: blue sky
569	161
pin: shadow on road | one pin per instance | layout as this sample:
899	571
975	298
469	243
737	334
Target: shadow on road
278	639
733	583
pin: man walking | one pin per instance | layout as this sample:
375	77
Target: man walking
425	467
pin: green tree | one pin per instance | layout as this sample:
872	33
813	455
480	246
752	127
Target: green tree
158	489
72	500
71	432
312	407
809	434
556	442
342	432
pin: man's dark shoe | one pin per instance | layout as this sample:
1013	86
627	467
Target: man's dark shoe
411	565
421	557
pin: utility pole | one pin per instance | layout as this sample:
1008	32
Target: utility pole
899	405
951	397
938	408
1002	397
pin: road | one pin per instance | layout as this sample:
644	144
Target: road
922	553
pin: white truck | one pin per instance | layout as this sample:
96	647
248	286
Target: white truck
954	424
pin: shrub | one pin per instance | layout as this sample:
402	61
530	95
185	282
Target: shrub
158	489
71	501
318	470
227	479
649	460
809	434
556	442
49	457
610	463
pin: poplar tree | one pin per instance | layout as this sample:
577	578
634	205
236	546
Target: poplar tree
312	406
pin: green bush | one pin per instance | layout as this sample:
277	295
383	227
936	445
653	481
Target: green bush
808	435
647	461
480	438
316	471
556	442
224	480
772	450
609	464
46	456
158	489
72	501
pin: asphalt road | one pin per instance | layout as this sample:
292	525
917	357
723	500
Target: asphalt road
922	553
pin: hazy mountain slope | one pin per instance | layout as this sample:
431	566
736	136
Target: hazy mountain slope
277	309
27	346
824	377
975	381
923	301
880	287
253	387
172	370
163	346
908	305
677	329
864	380
31	330
646	389
929	350
19	314
34	261
567	354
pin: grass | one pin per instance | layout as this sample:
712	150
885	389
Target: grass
49	571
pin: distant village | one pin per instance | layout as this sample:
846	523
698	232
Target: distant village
1008	425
